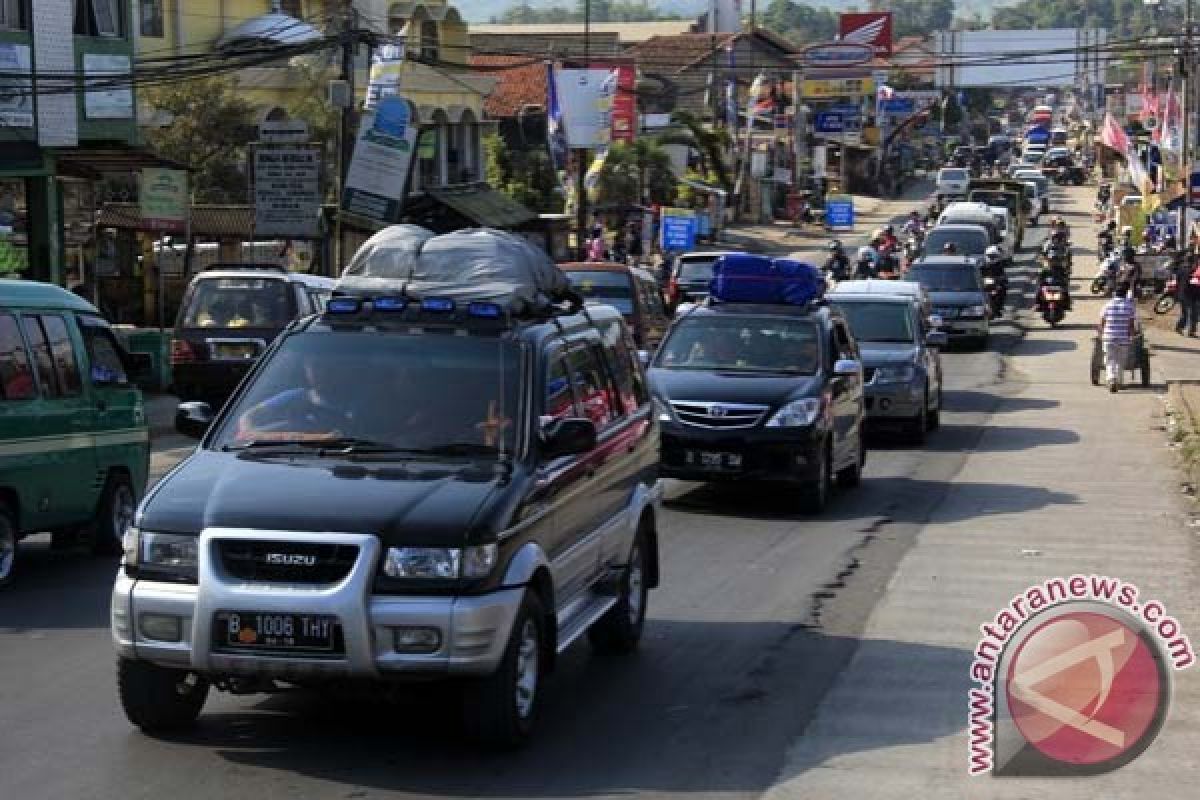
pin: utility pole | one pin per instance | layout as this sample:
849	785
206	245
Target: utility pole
345	139
581	153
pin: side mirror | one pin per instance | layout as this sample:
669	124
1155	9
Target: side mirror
939	339
568	437
847	366
193	419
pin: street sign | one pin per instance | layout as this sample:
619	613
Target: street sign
828	122
1194	189
287	191
898	105
163	199
678	229
283	131
839	212
839	87
837	54
378	174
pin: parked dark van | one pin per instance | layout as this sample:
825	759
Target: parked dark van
630	290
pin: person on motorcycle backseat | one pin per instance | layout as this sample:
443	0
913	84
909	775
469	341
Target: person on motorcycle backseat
887	239
993	267
838	263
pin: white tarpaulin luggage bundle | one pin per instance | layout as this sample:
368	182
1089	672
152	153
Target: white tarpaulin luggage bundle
475	264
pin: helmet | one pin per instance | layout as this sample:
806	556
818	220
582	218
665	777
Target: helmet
950	248
992	253
865	252
889	230
835	245
1112	225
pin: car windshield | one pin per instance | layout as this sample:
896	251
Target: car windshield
611	288
238	303
878	322
695	270
966	242
728	343
954	175
381	391
945	279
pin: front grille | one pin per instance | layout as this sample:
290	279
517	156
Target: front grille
719	416
287	562
947	312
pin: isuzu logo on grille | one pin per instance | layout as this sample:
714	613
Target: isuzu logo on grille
290	559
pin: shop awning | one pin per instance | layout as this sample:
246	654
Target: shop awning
208	221
90	163
484	205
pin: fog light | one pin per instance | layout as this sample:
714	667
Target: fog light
160	627
416	640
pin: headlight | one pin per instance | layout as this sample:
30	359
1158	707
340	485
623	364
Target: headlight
440	563
974	312
904	374
164	556
797	414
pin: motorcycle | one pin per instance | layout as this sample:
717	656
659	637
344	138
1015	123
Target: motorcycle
1105	279
837	267
864	268
889	267
1052	302
1166	299
1062	176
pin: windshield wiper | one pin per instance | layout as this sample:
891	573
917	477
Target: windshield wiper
345	444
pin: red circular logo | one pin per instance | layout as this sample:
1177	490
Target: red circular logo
1086	688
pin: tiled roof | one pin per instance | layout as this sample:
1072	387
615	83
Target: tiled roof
677	53
218	221
521	81
550	45
629	32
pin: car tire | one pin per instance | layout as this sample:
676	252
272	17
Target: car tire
158	699
815	497
1144	368
620	630
501	709
9	548
851	476
114	515
934	415
981	342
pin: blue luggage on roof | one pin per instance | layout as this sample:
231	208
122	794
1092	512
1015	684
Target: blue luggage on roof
744	278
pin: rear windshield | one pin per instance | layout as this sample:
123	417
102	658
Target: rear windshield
694	270
611	288
968	242
879	322
953	175
239	303
945	279
767	345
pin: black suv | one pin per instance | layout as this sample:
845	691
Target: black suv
764	393
401	488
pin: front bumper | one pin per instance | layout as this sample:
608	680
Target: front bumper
767	454
959	328
474	629
893	401
208	380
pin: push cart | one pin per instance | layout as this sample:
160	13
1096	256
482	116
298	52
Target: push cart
1137	360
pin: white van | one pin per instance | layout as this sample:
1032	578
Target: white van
969	213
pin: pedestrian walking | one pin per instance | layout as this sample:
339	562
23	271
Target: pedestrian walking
1118	324
1187	290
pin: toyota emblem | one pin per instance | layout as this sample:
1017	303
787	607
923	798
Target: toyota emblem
717	411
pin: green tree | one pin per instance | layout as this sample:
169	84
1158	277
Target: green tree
310	105
634	173
1122	18
799	22
711	145
917	17
524	175
602	11
211	126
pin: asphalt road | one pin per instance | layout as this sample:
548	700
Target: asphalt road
759	610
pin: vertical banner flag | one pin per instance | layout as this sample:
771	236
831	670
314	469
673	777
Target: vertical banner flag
384	81
556	135
731	105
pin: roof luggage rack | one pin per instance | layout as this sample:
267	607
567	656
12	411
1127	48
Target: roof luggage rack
760	280
477	273
239	265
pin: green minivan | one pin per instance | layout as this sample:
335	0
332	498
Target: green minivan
74	446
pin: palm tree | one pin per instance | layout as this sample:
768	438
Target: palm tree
710	144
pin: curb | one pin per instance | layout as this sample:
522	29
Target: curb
1183	427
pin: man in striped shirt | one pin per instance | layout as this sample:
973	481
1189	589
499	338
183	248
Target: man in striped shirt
1118	324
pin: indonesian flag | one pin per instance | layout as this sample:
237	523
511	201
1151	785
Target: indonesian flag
1113	136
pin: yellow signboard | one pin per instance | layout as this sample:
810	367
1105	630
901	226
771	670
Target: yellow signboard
839	87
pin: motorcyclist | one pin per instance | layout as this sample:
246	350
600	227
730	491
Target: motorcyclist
1106	239
1053	273
1130	270
993	267
887	239
838	263
866	264
914	226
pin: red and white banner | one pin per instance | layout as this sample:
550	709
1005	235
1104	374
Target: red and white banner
1114	136
872	27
